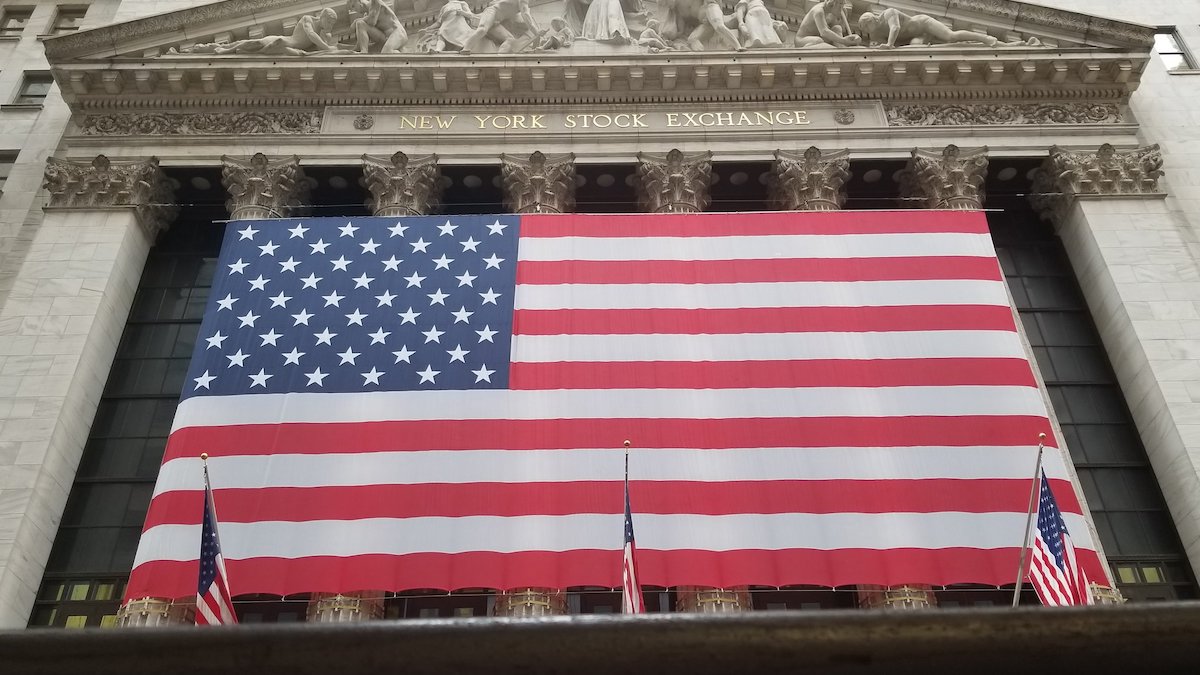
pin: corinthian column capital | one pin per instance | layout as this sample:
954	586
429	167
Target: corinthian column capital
540	184
675	182
1108	172
261	188
401	186
949	179
812	181
103	183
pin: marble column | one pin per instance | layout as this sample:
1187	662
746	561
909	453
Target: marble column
813	181
98	227
540	184
401	186
1135	258
261	188
678	182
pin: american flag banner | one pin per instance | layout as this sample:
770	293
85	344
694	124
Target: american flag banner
438	402
1054	568
214	602
631	589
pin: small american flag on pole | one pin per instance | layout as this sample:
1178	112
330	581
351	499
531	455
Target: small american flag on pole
1054	571
214	602
631	590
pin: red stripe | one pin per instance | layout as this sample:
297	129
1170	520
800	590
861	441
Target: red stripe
1050	584
243	505
594	568
748	224
771	374
554	434
754	271
760	320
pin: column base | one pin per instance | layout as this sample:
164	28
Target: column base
345	607
530	602
907	596
704	600
154	612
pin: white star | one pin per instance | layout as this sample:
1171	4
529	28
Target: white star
470	244
458	354
348	356
462	316
403	354
325	337
414	280
298	231
247	233
316	377
340	263
386	299
409	317
288	265
493	261
371	376
226	302
465	279
397	230
311	280
420	245
447	228
259	284
428	374
204	380
483	374
489	298
280	300
260	380
319	247
442	263
268	248
348	230
363	281
237	358
369	246
486	334
438	298
496	228
379	337
355	318
216	340
237	267
302	317
270	337
248	319
392	263
433	335
333	299
292	356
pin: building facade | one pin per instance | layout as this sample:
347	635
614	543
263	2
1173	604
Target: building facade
129	144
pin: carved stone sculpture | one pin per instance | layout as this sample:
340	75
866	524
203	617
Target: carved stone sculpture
259	188
1104	173
540	184
756	27
950	179
892	28
103	183
827	25
601	20
506	23
674	182
401	186
377	24
695	21
313	34
809	182
450	31
558	36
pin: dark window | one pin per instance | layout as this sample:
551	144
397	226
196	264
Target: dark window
68	19
14	20
34	89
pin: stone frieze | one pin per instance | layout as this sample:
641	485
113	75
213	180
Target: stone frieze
201	124
919	115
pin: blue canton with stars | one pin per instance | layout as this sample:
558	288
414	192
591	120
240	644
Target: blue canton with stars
360	304
1050	523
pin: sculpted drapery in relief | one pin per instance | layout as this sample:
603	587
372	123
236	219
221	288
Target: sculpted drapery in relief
313	34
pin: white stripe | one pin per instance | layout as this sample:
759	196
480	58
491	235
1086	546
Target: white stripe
203	608
767	346
766	294
554	466
400	536
608	404
757	247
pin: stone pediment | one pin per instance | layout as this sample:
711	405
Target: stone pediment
377	51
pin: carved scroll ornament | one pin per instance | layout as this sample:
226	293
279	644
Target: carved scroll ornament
674	182
540	184
402	186
104	183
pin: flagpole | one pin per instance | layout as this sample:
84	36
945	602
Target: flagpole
1033	493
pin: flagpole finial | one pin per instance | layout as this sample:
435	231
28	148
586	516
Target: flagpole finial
204	456
1042	437
627	444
